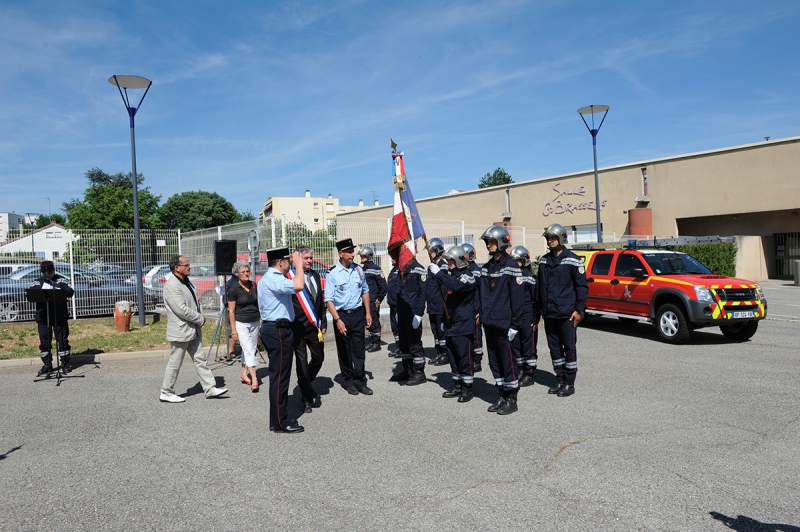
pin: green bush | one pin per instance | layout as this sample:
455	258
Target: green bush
719	257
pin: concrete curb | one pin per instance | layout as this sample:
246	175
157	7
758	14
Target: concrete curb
90	359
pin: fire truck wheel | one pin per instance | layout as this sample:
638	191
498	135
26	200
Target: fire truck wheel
741	331
671	324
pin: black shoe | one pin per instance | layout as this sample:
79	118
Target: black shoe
402	376
290	429
554	389
373	347
497	404
46	370
466	395
352	390
526	380
440	360
455	392
476	365
366	390
566	390
509	406
307	406
417	378
66	367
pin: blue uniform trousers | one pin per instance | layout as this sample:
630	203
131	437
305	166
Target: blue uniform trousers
279	342
438	333
526	341
375	328
503	357
459	352
393	323
410	340
350	348
561	339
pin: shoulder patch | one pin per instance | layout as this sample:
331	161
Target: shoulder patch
423	277
519	280
581	270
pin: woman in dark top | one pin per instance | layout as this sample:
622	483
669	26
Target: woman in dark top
243	311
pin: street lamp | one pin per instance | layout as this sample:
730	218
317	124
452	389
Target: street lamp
592	110
31	219
123	83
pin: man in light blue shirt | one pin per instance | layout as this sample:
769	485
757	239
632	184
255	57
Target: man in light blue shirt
347	297
275	293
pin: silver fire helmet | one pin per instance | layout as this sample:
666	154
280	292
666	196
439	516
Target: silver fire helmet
366	251
558	231
521	253
499	233
457	254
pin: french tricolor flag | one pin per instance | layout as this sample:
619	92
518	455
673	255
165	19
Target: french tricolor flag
406	222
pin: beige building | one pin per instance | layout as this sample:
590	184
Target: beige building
751	192
314	213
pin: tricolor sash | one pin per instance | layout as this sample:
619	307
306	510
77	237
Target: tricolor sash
308	308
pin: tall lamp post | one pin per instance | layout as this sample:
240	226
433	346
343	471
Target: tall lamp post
123	83
593	110
31	219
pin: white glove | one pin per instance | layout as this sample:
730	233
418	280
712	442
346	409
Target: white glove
434	269
416	321
511	334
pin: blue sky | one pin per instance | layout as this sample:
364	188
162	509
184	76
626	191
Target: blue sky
269	98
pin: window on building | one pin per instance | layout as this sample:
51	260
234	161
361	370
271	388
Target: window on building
329	207
56	255
316	220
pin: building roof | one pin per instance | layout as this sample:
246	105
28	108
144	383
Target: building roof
26	235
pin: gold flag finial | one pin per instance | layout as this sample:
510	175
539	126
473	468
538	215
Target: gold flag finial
394	144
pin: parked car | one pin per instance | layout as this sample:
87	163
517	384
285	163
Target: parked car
673	291
9	267
95	294
155	277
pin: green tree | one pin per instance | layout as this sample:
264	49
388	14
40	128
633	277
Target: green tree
44	220
246	216
108	203
189	211
498	177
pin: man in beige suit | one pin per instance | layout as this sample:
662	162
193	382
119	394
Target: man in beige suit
184	332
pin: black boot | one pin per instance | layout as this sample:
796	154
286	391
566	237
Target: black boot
455	392
66	367
526	380
501	398
466	394
374	346
418	377
440	360
554	389
47	368
510	404
566	390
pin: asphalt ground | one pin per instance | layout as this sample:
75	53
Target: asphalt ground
702	436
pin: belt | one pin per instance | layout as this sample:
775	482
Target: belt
353	311
280	324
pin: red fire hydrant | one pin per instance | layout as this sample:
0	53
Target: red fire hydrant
122	316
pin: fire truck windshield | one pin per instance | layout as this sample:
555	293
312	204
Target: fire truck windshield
674	264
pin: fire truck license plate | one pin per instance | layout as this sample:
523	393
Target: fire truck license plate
744	314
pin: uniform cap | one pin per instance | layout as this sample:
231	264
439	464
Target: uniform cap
345	244
278	253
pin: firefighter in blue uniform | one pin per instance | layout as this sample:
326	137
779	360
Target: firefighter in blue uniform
528	335
59	320
562	296
275	305
377	293
392	288
459	330
410	308
477	345
435	301
347	297
501	301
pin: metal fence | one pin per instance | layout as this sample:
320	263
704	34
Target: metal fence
100	266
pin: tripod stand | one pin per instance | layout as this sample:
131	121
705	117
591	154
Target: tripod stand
50	298
223	319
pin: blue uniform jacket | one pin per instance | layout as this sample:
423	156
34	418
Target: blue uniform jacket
461	301
435	295
58	311
413	286
562	285
375	281
501	294
392	286
530	310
